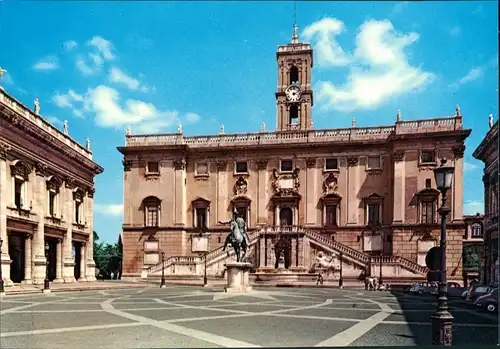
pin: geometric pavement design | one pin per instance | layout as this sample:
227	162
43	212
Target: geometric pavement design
186	316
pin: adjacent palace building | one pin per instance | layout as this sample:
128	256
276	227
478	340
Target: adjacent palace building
46	199
487	152
359	198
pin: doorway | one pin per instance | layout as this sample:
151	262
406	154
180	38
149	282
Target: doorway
77	253
286	216
16	253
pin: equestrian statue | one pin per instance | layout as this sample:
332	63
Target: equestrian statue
238	237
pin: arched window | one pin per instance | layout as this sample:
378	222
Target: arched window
201	210
53	187
476	230
78	197
427	205
294	75
151	206
294	114
20	171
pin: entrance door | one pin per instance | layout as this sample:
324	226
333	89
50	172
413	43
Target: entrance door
286	216
78	257
16	253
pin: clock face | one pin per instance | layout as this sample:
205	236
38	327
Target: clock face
293	93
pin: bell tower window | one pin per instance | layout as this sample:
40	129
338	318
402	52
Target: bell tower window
294	75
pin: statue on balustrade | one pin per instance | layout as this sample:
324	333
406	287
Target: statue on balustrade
238	237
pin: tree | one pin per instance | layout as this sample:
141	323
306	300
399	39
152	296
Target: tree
107	257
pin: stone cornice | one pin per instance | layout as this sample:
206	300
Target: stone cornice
39	133
486	142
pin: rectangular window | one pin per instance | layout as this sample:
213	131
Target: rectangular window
153	167
77	211
201	169
373	213
201	217
241	167
427	156
476	230
152	216
331	215
428	209
427	183
331	164
52	203
18	193
374	162
286	165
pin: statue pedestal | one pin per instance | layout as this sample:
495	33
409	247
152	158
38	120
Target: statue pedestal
238	277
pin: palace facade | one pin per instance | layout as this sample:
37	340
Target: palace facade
46	199
487	152
364	197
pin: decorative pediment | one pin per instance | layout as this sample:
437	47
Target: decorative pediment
373	197
428	193
330	184
241	199
79	194
151	200
286	184
241	186
200	202
54	183
21	169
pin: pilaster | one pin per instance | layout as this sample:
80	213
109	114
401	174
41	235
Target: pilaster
301	251
59	262
352	196
458	180
294	256
68	272
82	264
39	191
89	250
262	254
263	192
311	198
222	188
180	193
28	263
399	187
4	199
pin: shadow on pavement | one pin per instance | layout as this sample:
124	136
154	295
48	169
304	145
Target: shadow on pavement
471	325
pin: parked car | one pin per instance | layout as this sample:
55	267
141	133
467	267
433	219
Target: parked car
478	290
488	301
454	290
423	288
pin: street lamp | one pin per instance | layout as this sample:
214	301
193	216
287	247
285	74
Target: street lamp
1	277
442	320
199	244
46	284
341	280
162	269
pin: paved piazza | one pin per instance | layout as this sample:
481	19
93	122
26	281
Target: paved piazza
180	316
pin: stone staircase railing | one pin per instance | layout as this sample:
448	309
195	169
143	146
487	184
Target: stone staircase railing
196	260
346	250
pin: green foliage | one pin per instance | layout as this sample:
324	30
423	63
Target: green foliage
107	257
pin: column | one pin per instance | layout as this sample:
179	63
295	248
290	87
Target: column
59	261
311	191
68	262
39	191
277	216
27	260
222	195
457	194
262	192
399	188
300	248
82	263
180	193
293	256
352	196
5	196
89	246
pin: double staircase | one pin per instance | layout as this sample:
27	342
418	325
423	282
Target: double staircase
348	253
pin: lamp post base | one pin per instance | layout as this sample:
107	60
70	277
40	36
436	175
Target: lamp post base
46	284
341	283
442	328
2	289
163	284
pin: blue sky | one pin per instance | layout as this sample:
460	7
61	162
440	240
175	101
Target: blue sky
150	65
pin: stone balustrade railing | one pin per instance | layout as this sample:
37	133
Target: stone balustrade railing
296	137
346	250
26	113
412	266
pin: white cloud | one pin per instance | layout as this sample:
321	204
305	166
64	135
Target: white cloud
47	64
378	67
84	67
328	51
472	207
119	77
399	7
103	46
114	210
7	79
474	74
192	117
144	117
469	167
68	101
69	45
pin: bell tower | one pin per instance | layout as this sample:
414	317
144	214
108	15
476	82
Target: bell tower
294	97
